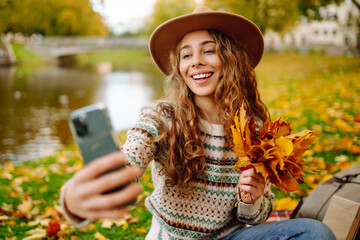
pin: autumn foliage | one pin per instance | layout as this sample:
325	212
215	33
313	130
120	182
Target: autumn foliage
53	228
272	150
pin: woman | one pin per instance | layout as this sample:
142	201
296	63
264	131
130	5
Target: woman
209	59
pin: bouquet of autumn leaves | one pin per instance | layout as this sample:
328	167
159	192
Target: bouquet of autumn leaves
272	150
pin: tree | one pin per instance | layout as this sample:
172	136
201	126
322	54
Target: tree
167	9
311	8
51	17
277	15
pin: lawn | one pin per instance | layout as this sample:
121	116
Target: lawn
316	92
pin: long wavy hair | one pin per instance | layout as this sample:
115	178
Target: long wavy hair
185	160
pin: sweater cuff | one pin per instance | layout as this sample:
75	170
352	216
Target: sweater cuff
71	218
249	210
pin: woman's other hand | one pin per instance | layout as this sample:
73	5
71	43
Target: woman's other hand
85	196
251	185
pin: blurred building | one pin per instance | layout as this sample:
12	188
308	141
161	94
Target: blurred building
337	34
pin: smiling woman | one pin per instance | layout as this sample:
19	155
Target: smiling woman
200	65
187	139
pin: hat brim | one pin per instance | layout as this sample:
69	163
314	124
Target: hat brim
167	35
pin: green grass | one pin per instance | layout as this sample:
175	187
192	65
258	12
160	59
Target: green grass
25	57
125	59
37	183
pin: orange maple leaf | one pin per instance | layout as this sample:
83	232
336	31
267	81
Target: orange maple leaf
271	150
53	228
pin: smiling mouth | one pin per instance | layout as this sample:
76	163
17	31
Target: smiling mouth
201	76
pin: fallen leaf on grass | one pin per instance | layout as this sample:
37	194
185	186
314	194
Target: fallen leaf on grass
120	222
42	222
53	228
10	238
35	234
25	206
8	166
11	223
142	230
106	223
133	220
4	217
52	212
99	236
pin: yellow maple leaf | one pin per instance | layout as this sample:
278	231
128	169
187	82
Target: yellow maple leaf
285	144
99	236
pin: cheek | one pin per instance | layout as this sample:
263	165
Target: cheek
218	64
182	68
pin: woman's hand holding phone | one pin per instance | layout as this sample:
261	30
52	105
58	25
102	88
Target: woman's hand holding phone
85	196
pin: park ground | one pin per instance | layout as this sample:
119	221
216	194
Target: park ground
316	92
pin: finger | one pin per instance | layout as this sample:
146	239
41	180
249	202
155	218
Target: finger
247	188
110	181
100	166
253	174
248	172
108	214
114	200
252	193
248	181
259	177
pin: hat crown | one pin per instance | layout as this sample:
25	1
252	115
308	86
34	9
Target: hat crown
202	9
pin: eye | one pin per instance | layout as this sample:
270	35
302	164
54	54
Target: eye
185	56
209	51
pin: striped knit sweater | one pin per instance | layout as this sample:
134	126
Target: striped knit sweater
205	212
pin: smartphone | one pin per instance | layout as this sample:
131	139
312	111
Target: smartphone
93	133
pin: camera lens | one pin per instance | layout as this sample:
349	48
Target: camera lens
81	127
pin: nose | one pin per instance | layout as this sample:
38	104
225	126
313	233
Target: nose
197	60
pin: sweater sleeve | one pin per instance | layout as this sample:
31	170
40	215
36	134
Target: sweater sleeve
258	212
136	148
71	218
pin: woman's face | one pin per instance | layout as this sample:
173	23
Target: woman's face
200	65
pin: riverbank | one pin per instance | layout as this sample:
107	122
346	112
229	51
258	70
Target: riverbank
25	57
118	59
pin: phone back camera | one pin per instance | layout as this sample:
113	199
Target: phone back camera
81	126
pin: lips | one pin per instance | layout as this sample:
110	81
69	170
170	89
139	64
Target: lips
201	76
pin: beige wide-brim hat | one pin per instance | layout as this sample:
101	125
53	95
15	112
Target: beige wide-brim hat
166	36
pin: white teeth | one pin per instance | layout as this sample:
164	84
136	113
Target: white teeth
203	75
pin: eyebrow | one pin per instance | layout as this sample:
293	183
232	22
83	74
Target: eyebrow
201	44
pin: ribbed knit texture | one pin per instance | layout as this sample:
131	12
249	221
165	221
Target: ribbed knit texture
207	211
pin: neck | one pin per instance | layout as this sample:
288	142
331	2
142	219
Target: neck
208	107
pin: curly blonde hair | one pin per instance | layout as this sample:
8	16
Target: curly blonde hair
185	159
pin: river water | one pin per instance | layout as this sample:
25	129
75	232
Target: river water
35	105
